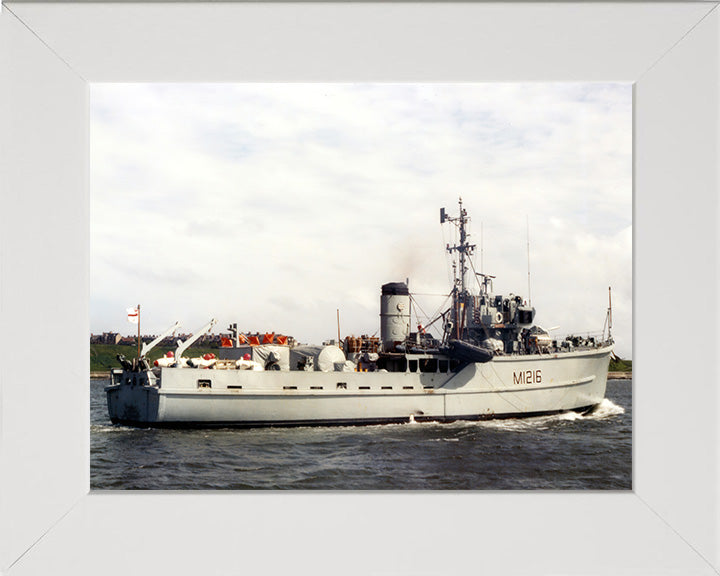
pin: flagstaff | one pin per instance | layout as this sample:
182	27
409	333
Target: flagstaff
133	316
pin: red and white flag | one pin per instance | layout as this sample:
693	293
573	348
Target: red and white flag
132	315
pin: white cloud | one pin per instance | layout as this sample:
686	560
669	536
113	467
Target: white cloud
274	205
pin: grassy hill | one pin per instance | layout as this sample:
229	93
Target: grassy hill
620	365
103	357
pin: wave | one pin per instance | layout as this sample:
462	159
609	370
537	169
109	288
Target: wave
103	428
604	409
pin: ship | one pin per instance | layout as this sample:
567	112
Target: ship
489	360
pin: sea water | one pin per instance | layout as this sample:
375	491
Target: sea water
562	452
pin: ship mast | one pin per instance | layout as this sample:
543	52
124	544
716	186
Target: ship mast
465	250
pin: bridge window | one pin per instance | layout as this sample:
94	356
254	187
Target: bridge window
428	365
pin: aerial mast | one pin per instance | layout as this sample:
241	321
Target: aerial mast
482	248
464	248
609	312
528	257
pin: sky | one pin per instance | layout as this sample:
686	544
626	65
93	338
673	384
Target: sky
275	205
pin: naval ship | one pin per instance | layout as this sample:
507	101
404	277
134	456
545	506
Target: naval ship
491	361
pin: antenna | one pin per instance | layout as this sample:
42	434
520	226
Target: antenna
464	248
338	323
528	258
482	248
609	311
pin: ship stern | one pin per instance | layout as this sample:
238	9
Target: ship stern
132	398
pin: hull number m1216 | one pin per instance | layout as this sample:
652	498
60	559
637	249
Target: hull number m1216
527	377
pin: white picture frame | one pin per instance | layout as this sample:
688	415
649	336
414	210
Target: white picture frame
51	523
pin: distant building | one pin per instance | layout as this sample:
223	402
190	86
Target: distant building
105	338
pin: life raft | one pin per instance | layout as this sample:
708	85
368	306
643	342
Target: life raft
465	352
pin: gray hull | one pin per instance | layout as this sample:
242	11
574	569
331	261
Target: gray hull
507	387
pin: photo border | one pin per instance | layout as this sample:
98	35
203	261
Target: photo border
49	520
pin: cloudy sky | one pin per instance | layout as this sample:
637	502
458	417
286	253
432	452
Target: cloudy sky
274	205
